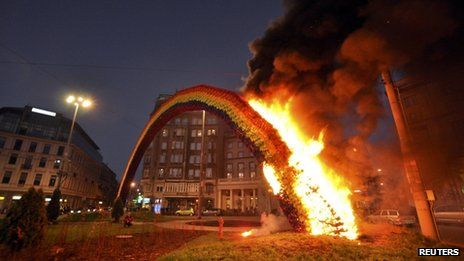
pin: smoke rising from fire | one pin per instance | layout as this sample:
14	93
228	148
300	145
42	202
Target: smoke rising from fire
271	223
327	55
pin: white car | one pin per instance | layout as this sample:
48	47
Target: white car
391	216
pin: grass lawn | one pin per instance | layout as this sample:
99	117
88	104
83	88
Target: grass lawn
386	243
66	232
139	216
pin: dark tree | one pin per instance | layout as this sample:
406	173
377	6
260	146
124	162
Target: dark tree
25	221
118	210
53	208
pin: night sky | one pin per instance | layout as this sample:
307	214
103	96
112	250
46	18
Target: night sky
150	47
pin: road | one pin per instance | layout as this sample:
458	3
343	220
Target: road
452	233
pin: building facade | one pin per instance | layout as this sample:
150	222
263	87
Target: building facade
435	122
232	178
32	150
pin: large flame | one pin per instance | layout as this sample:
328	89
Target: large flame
324	198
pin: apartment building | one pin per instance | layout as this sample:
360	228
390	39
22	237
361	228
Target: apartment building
32	150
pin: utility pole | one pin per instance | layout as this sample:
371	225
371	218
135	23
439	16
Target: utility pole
202	167
413	177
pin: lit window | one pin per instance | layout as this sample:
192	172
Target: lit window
165	133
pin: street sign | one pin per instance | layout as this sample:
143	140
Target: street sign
430	195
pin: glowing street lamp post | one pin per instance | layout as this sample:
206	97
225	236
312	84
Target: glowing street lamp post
77	102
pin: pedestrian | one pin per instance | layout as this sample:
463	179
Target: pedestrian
220	227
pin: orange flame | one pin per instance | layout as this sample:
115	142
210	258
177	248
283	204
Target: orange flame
327	204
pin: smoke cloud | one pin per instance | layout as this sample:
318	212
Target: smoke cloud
327	56
271	223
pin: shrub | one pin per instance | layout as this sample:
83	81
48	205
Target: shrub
118	210
53	208
25	221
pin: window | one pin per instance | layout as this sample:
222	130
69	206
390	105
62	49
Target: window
2	142
229	170
240	154
240	144
164	145
146	173
252	174
230	145
229	155
162	157
22	178
57	164
27	163
46	149
209	188
13	159
179	132
161	173
18	144
196	121
177	145
6	177
42	162
177	158
211	145
175	173
52	181
211	120
209	172
165	133
159	188
210	158
191	173
195	133
177	121
198	145
147	159
185	121
211	132
32	146
60	151
240	170
37	179
194	159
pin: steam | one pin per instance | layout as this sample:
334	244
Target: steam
271	223
327	55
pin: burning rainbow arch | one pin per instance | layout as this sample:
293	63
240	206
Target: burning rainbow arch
259	135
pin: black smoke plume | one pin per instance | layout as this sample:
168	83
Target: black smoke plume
327	56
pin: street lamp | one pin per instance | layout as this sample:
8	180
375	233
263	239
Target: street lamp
79	101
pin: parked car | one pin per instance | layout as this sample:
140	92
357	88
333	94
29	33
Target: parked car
391	216
185	212
212	212
451	214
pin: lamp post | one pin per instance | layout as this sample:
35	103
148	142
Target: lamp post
202	167
79	101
